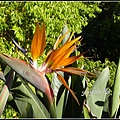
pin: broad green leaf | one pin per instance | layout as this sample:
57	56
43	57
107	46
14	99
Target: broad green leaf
59	107
52	109
55	84
72	108
97	95
28	112
60	96
30	74
6	90
6	70
28	103
3	98
114	99
106	104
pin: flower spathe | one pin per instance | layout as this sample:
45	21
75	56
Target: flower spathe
38	43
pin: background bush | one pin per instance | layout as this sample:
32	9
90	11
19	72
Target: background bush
98	22
19	19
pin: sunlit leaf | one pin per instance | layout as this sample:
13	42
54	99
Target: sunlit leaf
114	99
65	29
28	103
97	95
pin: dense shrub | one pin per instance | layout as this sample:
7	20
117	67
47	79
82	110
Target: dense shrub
97	67
19	20
9	112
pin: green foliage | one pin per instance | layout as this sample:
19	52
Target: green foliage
19	18
97	67
9	112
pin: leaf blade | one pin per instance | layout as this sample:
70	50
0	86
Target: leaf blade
114	99
97	95
32	75
5	91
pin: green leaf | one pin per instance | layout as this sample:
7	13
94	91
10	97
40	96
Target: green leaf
28	103
55	84
59	107
6	90
106	104
97	95
6	70
60	96
114	99
52	110
28	112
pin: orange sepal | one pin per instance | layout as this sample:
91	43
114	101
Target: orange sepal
77	71
38	42
66	61
54	55
65	84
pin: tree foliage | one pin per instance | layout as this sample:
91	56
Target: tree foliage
19	18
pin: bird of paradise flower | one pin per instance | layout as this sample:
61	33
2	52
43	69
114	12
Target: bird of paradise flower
57	59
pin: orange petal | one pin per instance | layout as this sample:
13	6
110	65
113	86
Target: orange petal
73	70
64	55
65	84
66	61
38	42
43	39
59	51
